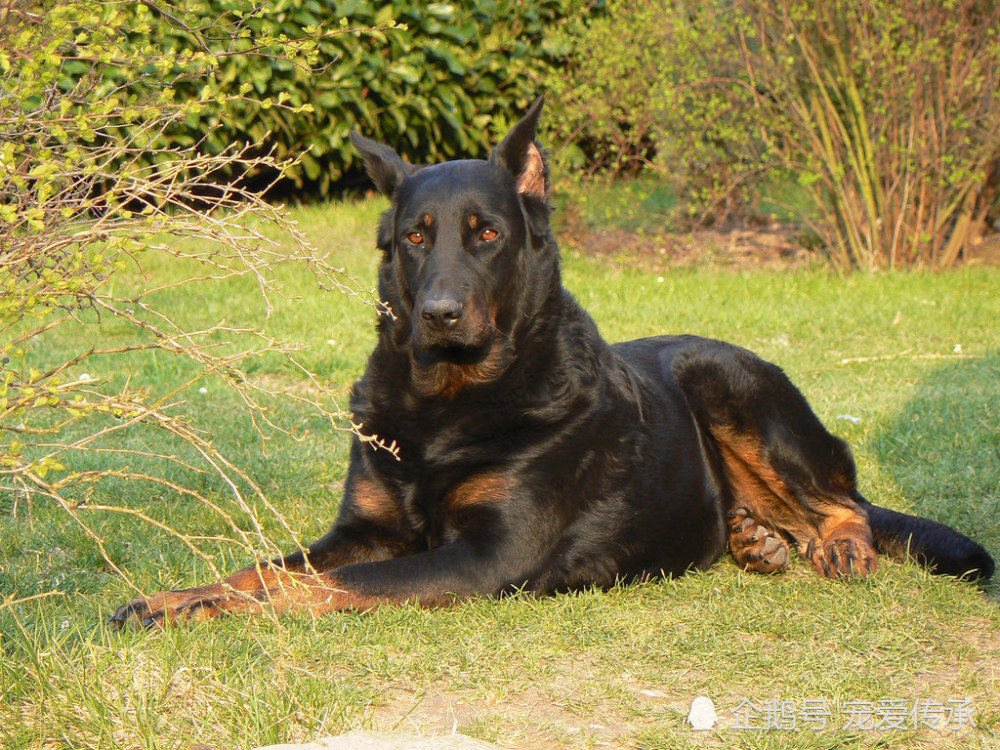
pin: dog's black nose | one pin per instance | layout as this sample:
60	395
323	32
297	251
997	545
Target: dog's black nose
442	312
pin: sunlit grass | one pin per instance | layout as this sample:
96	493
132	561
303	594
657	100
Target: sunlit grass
907	367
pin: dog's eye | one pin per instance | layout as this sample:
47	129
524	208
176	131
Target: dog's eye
488	235
417	238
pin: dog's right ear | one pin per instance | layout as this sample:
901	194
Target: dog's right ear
383	164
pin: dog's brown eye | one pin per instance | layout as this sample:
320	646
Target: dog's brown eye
417	238
488	235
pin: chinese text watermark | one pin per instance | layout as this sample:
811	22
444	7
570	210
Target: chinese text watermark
883	715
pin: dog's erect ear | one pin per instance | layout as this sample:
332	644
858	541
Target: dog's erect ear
520	155
383	164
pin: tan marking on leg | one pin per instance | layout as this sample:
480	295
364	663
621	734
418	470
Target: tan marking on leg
372	500
844	547
481	489
756	485
288	592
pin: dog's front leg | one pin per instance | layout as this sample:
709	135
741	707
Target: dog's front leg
249	589
367	530
433	578
371	557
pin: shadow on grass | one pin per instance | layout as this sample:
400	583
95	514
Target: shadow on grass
943	449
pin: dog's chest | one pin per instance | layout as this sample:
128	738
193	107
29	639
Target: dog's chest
428	505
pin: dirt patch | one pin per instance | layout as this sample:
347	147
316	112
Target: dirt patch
577	705
533	718
985	252
774	247
360	740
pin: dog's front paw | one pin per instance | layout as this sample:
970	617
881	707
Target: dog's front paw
168	607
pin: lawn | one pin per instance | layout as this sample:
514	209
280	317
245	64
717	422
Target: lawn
904	366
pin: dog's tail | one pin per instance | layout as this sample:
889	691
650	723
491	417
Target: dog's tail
938	547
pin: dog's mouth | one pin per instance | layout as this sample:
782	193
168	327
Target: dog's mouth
450	357
466	342
452	354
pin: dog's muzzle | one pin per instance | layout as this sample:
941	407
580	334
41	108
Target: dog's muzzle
442	313
446	321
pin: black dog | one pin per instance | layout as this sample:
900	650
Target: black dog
535	457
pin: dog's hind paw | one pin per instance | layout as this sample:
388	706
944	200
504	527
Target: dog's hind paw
756	547
842	557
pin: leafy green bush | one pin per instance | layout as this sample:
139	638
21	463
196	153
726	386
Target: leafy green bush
648	85
430	78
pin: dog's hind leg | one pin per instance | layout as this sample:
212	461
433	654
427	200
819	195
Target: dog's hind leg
786	474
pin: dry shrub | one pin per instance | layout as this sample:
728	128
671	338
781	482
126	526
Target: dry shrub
884	112
888	112
80	201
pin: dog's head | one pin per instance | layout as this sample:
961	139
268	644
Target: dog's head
463	246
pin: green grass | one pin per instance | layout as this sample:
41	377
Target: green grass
643	204
647	204
617	668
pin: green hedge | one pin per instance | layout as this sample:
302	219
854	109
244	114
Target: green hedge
435	80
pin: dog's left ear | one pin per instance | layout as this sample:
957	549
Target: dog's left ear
521	155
